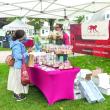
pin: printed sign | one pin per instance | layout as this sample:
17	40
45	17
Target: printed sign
91	38
95	31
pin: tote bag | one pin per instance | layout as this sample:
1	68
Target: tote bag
24	72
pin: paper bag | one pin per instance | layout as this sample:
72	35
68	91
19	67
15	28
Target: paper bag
31	61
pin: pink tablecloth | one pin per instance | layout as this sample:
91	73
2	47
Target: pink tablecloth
55	85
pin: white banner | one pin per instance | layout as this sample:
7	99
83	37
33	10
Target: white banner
95	30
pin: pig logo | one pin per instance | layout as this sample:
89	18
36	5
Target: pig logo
92	28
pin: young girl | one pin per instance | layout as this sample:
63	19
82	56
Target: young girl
14	78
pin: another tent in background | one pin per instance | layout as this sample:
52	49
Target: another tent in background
25	20
18	24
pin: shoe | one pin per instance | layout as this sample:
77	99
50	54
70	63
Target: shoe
14	95
19	97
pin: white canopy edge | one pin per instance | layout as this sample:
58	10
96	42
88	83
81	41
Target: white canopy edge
51	8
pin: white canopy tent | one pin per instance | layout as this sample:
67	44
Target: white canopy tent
18	24
51	8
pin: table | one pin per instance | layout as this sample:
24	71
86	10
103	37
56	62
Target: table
56	84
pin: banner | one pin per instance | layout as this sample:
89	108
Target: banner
91	38
95	31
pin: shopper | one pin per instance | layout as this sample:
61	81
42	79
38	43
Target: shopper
37	43
14	78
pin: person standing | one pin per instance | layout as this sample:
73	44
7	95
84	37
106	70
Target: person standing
7	39
61	38
37	43
14	78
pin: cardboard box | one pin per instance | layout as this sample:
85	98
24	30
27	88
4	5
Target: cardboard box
101	80
78	94
95	91
86	91
105	91
90	91
88	76
97	71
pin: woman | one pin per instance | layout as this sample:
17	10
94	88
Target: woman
14	78
61	38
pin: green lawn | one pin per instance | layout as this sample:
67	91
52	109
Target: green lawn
4	49
36	101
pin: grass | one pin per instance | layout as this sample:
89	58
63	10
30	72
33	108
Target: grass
36	101
4	49
91	62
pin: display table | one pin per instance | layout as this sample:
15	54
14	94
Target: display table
56	84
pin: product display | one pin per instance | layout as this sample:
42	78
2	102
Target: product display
58	49
49	59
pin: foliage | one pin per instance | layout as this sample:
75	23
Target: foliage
10	19
36	22
79	19
61	20
5	21
51	22
2	22
4	49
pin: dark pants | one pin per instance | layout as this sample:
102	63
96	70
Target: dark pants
65	56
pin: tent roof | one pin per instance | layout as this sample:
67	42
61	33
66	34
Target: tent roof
50	8
17	24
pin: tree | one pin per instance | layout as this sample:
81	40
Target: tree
79	19
2	22
10	19
5	21
51	22
36	22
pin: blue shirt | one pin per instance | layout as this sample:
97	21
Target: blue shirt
18	49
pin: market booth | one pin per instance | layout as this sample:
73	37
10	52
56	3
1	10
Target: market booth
58	82
54	78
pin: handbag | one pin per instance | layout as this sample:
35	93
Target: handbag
10	60
24	72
